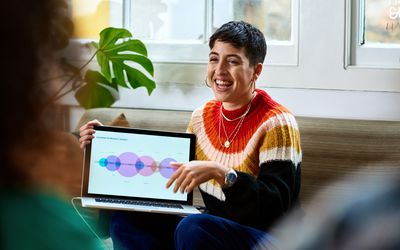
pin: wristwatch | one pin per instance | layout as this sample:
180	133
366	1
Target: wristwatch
230	178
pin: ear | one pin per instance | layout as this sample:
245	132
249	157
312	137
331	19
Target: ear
257	70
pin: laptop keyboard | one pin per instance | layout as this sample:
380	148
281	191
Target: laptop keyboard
140	203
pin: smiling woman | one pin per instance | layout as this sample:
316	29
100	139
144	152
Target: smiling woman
248	158
230	72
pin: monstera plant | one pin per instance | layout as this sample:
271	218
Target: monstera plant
115	52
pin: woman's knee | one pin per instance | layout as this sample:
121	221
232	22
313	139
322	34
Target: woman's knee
204	227
193	223
192	233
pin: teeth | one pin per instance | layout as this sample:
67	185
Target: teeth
220	82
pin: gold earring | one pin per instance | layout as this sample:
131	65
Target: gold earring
253	86
206	82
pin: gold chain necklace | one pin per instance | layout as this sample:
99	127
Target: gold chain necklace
237	118
235	131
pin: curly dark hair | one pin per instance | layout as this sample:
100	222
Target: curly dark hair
242	35
32	30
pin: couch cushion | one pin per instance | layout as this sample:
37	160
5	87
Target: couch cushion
120	121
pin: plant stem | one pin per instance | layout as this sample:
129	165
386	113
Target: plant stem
91	58
57	95
70	90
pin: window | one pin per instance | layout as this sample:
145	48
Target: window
381	22
373	33
331	32
177	30
91	16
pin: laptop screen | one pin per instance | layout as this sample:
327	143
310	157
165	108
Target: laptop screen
135	163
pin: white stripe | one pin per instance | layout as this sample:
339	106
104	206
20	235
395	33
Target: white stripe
212	190
282	153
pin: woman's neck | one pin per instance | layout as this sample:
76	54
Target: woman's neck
239	103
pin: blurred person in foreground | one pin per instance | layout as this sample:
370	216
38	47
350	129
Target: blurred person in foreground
364	214
33	211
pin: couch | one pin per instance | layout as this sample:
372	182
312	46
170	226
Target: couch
333	149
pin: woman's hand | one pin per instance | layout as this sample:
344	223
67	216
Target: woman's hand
86	133
191	174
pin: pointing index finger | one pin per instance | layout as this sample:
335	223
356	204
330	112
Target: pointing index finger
175	174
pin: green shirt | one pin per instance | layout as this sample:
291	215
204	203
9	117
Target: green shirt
38	220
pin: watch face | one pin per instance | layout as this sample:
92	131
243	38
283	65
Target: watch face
230	178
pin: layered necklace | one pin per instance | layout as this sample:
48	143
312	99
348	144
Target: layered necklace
235	131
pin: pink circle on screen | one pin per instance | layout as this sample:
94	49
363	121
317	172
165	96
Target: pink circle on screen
149	165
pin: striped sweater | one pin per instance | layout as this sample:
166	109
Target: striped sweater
266	154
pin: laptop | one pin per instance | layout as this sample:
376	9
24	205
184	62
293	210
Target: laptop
127	169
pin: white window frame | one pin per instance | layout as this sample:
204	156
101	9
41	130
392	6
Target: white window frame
361	55
279	53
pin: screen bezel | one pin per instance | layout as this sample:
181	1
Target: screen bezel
87	156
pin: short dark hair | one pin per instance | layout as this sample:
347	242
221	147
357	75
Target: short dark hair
242	35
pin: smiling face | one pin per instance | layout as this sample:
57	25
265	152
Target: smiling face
230	75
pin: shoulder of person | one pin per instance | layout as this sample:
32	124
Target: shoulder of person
199	110
280	117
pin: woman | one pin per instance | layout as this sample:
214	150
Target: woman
248	158
34	215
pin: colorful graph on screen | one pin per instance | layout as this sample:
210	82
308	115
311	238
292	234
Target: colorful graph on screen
129	164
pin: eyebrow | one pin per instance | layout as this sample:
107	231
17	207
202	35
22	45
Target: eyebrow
230	55
213	53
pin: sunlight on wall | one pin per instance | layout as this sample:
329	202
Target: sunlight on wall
90	17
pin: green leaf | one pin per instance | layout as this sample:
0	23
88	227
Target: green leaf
115	57
97	92
110	35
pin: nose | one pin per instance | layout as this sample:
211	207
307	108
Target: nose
221	68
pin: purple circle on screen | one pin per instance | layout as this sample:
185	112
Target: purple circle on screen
166	169
113	163
128	164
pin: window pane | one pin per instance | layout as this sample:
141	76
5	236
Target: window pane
91	16
273	17
382	21
168	20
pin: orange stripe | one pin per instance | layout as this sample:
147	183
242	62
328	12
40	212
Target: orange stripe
216	135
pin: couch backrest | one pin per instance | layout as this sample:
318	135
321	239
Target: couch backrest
332	148
168	120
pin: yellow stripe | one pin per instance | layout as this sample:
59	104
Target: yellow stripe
280	137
